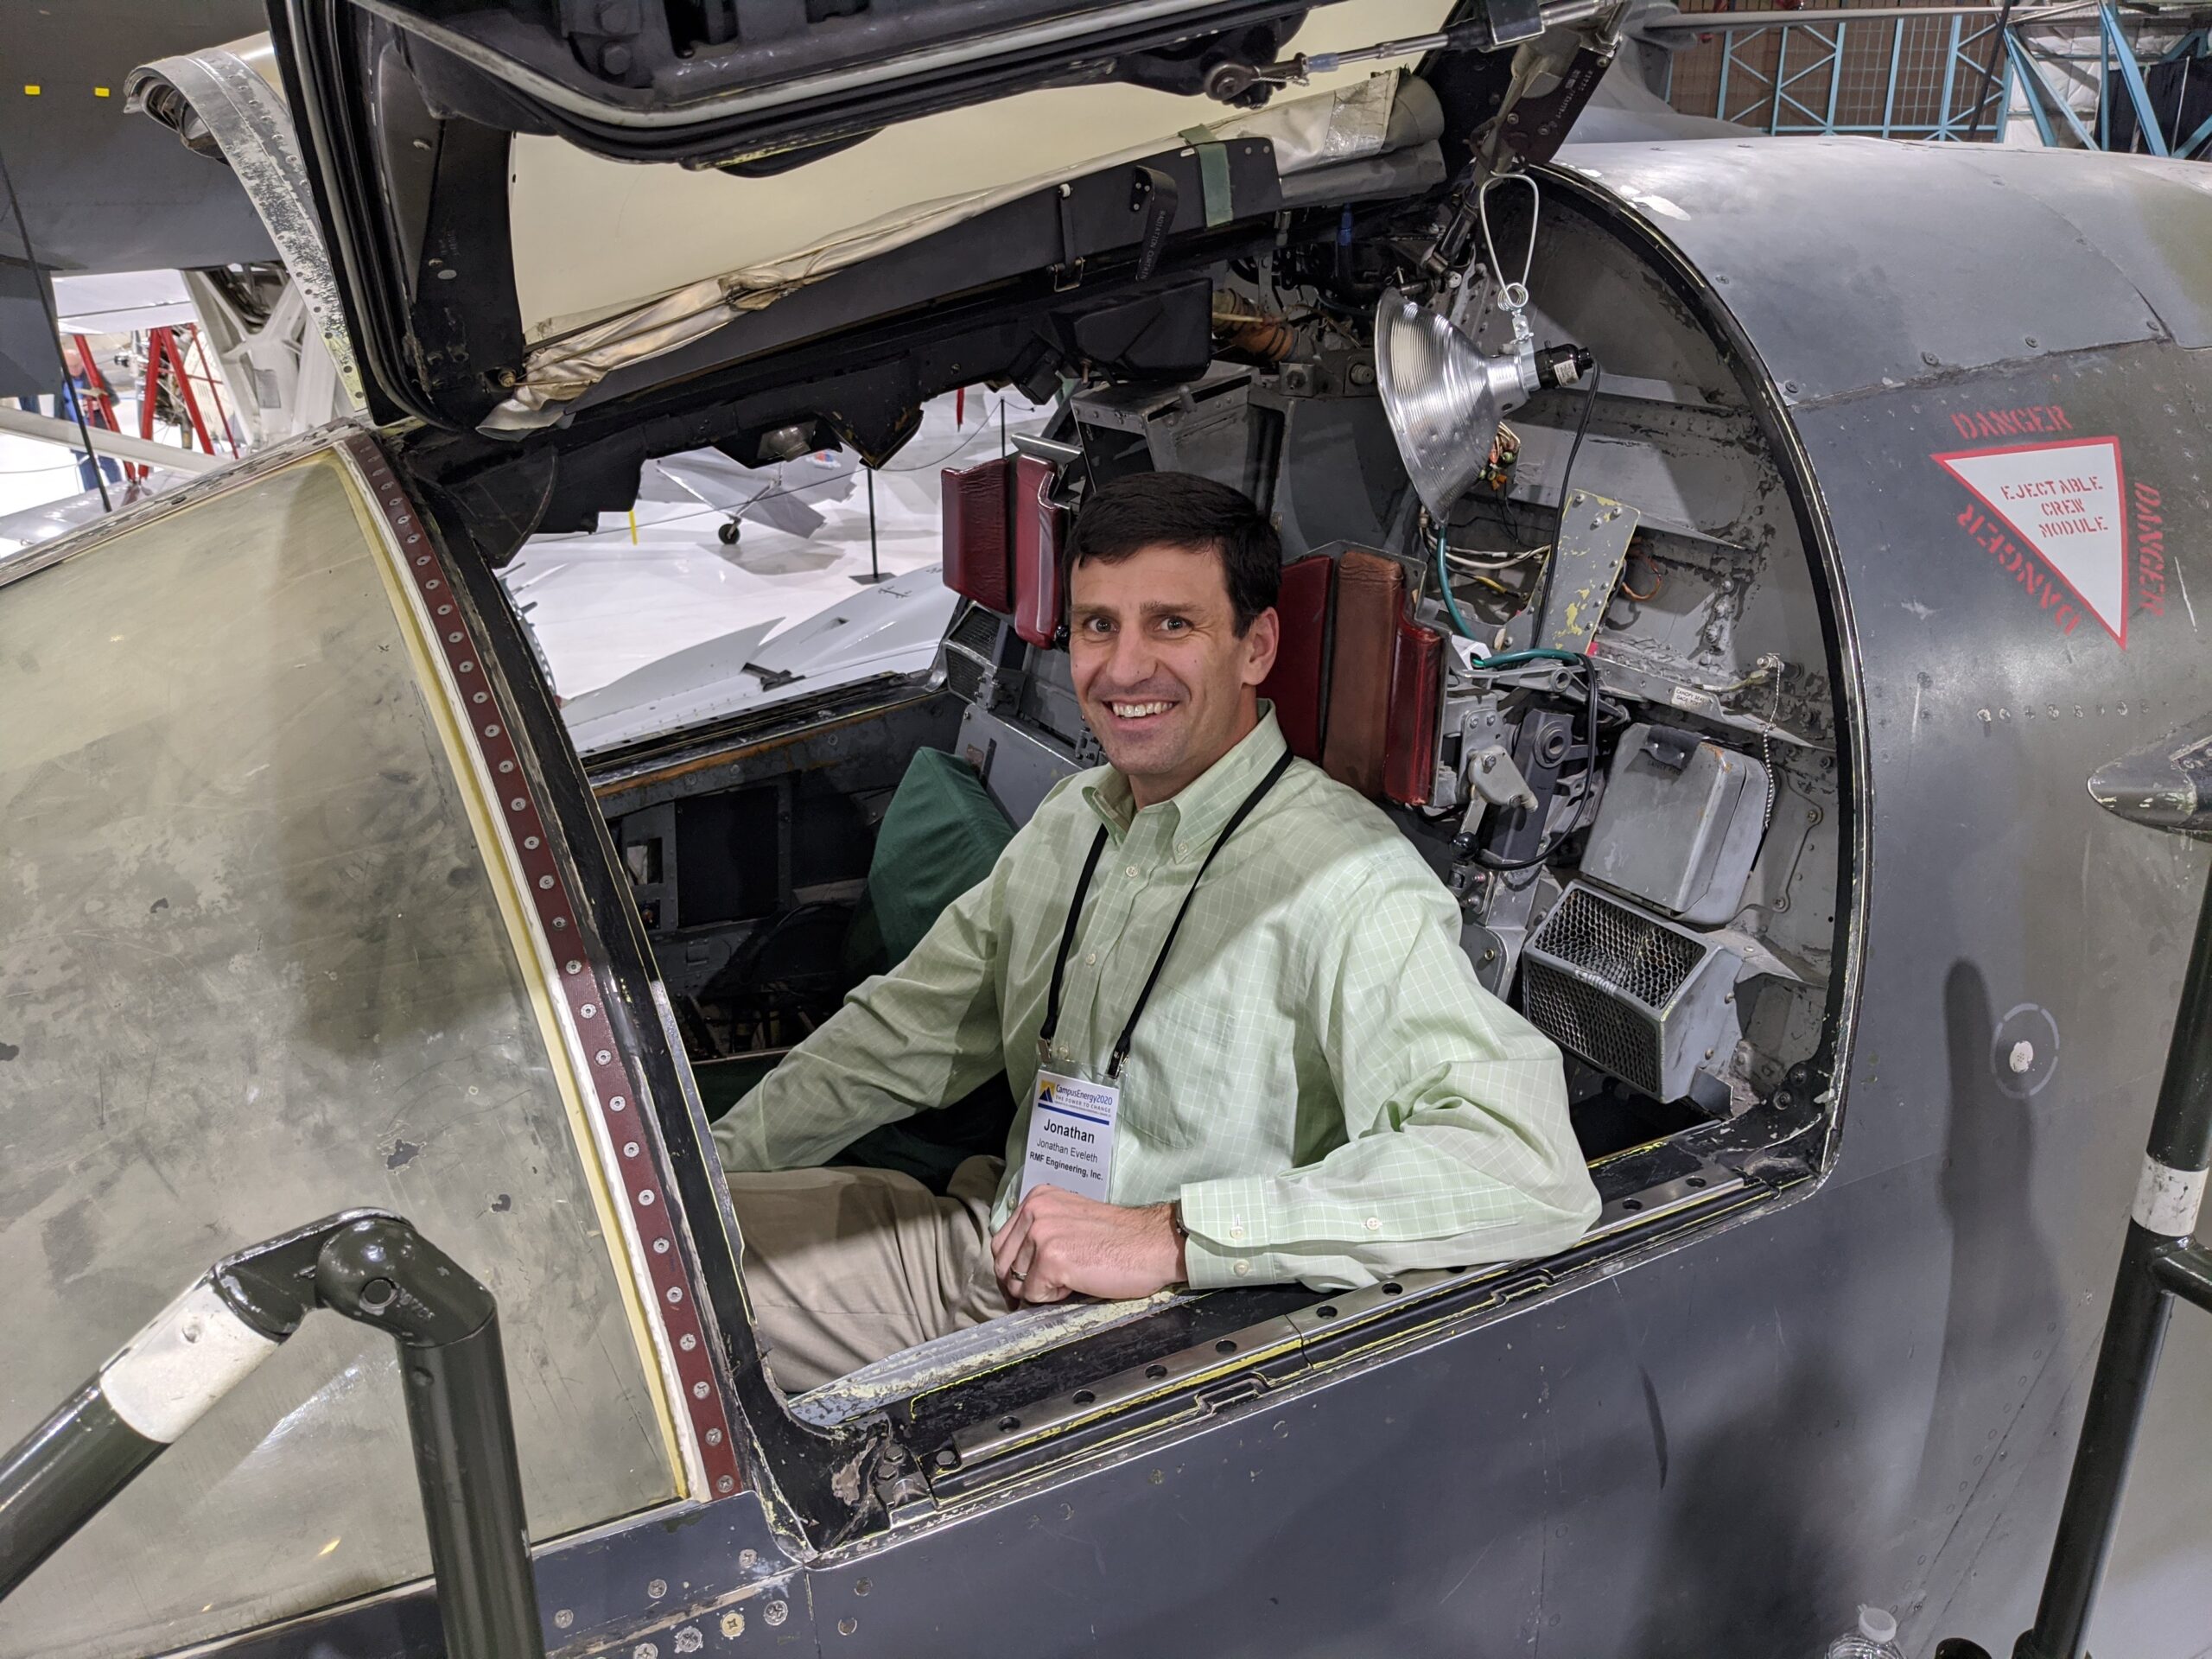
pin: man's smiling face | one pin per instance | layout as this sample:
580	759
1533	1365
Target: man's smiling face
1166	681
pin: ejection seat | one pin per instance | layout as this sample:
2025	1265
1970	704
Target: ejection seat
1357	687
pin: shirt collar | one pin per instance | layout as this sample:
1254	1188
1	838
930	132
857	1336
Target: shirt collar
1202	807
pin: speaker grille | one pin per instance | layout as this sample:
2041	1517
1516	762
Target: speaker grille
968	652
1609	1033
1622	948
964	675
1601	980
977	630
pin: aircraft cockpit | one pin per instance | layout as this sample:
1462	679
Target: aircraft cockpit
1631	560
1596	693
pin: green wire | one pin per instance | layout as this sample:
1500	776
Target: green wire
1459	622
1507	658
1444	580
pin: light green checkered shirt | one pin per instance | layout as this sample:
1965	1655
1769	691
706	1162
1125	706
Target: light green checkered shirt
1318	1075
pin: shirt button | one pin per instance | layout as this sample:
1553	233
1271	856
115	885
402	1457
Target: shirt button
1237	1232
1091	961
1374	1223
1133	870
1242	1268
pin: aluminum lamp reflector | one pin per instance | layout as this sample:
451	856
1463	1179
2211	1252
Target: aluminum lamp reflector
1443	397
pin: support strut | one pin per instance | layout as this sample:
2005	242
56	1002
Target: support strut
372	1267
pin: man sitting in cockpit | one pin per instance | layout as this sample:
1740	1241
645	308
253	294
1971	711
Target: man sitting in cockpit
1229	993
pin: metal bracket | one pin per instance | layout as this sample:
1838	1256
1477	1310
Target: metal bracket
1670	746
1492	776
1512	21
1591	550
900	1487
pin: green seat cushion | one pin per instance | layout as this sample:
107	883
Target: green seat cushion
940	836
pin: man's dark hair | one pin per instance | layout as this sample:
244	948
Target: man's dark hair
1182	510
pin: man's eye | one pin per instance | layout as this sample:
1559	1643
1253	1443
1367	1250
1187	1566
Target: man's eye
1097	624
1173	624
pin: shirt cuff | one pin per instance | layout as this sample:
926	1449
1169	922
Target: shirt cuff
1228	1241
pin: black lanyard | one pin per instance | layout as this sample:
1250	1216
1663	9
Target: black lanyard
1075	911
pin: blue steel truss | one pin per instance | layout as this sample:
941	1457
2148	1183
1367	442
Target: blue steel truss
1795	73
1935	73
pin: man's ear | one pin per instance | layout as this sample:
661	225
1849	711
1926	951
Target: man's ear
1261	640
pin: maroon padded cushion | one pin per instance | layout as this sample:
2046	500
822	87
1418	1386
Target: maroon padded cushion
1370	599
1297	684
1039	529
1416	699
978	540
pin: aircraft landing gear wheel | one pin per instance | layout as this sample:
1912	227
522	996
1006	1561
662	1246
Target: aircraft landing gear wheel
727	533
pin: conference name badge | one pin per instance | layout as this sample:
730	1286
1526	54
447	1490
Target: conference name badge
1071	1136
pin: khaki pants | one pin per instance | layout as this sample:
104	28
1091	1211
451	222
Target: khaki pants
845	1265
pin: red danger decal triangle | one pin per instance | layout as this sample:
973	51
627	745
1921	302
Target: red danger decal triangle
2063	500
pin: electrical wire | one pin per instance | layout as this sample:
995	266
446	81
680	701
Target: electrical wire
1566	478
1766	754
1535	653
982	426
1444	580
1476	566
1466	559
1769	662
1659	581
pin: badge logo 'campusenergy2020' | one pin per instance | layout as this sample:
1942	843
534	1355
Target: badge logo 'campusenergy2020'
2064	506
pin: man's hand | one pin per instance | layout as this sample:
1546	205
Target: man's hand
1057	1245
